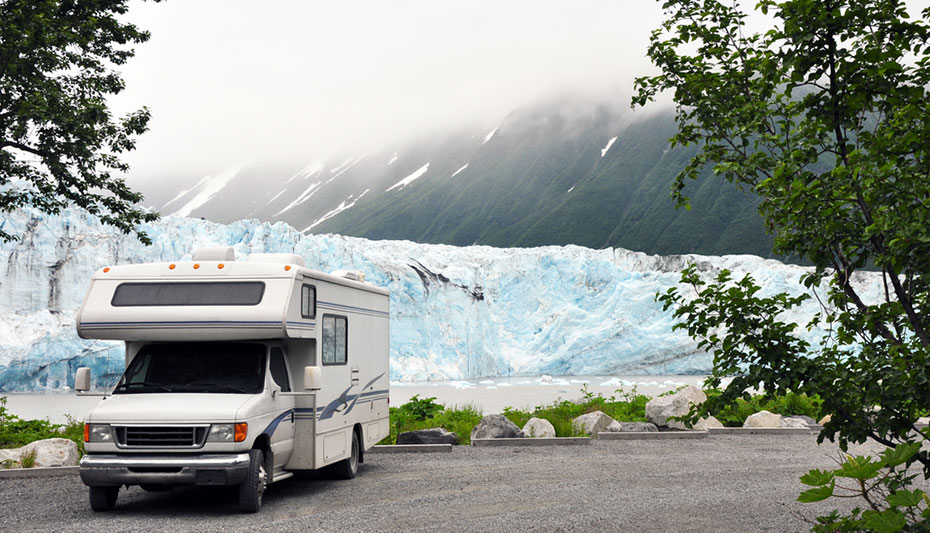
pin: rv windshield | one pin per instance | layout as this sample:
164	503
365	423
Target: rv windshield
217	367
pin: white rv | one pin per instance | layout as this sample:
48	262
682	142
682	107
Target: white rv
237	373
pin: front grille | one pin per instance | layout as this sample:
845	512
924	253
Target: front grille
160	436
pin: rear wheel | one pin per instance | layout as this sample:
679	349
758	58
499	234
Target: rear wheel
252	489
348	467
103	498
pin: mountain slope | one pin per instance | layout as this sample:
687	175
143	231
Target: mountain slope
545	176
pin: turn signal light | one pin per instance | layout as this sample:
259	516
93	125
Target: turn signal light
241	431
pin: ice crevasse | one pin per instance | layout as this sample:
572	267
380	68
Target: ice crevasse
456	312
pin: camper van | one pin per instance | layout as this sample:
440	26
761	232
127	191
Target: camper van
238	373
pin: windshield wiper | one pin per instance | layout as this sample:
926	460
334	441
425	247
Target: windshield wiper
146	384
219	385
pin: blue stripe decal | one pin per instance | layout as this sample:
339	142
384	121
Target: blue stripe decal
175	323
274	423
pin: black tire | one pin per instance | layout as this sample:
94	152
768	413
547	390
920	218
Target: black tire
348	467
103	498
252	489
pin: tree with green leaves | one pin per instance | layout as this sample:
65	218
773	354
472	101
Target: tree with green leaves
826	117
59	144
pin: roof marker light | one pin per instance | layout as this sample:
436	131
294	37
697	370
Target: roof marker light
106	269
287	268
171	266
196	266
220	266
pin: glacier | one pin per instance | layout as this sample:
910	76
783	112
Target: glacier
456	312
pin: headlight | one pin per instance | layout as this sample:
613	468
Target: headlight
97	433
227	432
221	433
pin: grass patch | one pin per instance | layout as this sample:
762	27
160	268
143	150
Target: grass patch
622	406
27	458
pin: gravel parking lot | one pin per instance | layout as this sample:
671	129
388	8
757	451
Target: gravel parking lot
723	483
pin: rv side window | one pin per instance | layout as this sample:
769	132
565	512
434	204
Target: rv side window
335	339
279	370
308	301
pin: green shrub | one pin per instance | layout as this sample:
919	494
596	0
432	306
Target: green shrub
789	404
15	432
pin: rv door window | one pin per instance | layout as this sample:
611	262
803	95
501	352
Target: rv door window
335	339
188	293
206	367
308	301
279	370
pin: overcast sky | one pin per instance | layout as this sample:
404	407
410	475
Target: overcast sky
239	82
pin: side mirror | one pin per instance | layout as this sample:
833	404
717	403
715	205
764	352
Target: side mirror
82	379
313	377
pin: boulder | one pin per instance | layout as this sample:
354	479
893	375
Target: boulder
707	423
539	428
763	419
797	421
592	423
428	436
637	426
49	452
660	409
496	427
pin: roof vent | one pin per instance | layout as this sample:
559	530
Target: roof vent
293	259
220	253
354	275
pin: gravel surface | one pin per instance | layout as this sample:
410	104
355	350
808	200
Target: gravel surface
722	483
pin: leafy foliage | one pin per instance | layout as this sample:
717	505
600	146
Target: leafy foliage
59	144
824	117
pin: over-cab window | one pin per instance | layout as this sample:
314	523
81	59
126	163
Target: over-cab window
188	293
335	339
308	301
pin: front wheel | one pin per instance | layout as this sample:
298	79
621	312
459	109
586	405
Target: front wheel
348	467
103	498
252	489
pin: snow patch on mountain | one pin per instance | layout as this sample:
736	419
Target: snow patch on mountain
459	170
209	187
393	158
314	167
609	144
489	136
409	179
346	204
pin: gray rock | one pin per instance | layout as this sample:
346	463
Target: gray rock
793	422
592	423
763	419
804	418
660	409
706	423
638	426
428	436
496	427
538	428
49	452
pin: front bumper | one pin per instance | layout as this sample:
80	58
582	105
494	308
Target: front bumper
100	470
